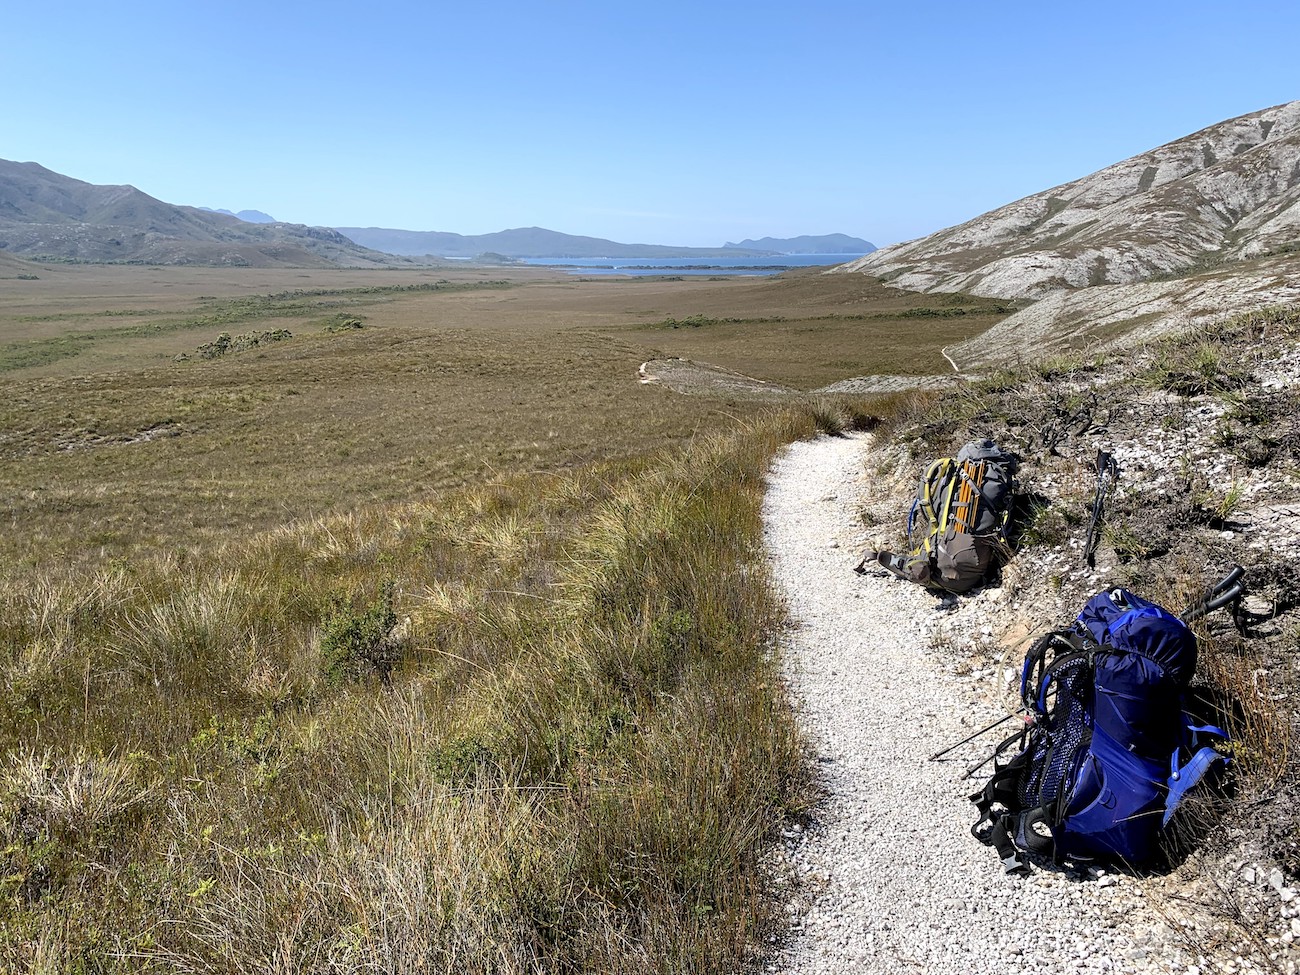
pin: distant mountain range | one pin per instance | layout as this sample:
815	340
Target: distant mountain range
536	242
826	244
248	216
46	215
1188	233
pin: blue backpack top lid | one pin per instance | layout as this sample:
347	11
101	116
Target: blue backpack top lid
1130	624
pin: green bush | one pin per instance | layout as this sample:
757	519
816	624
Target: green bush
354	643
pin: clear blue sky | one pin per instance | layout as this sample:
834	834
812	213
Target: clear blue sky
681	123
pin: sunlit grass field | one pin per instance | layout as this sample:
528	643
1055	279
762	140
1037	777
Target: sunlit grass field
108	444
420	638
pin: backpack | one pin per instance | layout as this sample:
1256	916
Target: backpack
958	520
1108	752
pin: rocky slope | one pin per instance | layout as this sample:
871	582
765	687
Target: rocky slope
46	215
1110	315
1227	193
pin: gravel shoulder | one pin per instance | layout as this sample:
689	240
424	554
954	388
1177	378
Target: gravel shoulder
888	878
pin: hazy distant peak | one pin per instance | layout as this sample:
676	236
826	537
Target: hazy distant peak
248	216
824	244
525	242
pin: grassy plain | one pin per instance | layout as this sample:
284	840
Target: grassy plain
108	443
438	644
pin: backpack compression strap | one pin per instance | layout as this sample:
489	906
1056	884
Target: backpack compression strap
935	490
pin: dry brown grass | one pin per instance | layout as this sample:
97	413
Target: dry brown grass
439	644
108	445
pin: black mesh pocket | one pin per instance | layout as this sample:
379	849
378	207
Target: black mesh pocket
1063	732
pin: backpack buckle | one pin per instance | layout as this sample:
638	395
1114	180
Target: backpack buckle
1014	863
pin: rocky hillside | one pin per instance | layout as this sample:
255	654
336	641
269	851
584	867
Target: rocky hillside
1176	237
1227	193
46	215
1114	314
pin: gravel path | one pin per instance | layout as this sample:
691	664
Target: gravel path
892	880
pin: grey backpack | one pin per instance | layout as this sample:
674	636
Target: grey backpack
957	524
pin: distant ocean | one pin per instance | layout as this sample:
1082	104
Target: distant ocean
712	266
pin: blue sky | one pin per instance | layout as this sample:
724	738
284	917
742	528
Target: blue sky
680	123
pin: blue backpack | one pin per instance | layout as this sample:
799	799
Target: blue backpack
1108	752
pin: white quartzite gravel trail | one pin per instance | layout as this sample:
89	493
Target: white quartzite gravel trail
893	880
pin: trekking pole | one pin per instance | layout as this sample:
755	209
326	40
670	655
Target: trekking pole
1107	471
982	731
1225	591
975	768
992	755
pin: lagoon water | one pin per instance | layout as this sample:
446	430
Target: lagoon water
714	266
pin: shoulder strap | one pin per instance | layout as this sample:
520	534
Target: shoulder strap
1060	644
930	496
999	807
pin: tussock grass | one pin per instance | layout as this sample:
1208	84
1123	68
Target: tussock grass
574	764
1216	359
437	644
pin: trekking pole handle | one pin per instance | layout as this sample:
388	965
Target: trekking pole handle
1224	591
1235	574
1224	598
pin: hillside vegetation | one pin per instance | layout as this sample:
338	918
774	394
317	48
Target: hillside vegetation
46	215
